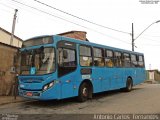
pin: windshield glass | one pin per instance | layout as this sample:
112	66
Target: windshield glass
38	61
38	41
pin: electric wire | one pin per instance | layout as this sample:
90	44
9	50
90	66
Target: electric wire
150	39
6	5
157	45
81	18
7	11
150	35
68	21
4	10
71	21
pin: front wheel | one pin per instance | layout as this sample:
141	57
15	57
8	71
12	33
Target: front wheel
129	85
83	92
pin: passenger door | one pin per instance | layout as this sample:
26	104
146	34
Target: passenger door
117	71
110	70
67	65
99	70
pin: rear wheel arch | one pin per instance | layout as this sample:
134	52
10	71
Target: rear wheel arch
131	79
85	85
129	84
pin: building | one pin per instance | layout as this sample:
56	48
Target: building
5	37
153	75
81	35
9	61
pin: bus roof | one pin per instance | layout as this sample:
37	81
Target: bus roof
84	43
96	45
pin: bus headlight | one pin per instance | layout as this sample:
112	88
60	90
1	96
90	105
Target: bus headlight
51	84
47	86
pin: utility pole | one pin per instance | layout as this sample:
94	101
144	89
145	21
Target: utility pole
13	26
132	38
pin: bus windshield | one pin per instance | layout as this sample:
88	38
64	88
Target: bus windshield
42	60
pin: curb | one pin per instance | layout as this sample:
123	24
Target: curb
10	100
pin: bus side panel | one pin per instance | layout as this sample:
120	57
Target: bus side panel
129	72
140	76
109	78
116	78
52	93
106	75
98	75
137	75
68	85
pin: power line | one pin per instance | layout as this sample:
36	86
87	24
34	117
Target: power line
150	39
151	36
81	18
21	7
2	4
49	14
68	21
6	5
150	45
6	11
113	37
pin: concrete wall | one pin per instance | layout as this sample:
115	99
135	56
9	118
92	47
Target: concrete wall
157	76
7	63
5	37
153	75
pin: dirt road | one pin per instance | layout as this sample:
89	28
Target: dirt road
144	98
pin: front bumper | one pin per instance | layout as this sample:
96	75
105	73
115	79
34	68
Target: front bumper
49	94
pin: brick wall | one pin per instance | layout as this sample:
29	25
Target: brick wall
81	35
7	77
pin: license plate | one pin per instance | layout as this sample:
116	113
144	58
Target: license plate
29	94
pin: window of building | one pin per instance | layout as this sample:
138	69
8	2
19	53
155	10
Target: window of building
118	59
109	58
98	57
85	56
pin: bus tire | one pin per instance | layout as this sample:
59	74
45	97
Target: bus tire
84	92
129	85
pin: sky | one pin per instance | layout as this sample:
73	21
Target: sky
115	14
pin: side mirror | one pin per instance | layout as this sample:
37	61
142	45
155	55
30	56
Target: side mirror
65	54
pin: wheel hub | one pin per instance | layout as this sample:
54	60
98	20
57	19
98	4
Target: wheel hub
85	92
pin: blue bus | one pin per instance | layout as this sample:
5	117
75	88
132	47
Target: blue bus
58	67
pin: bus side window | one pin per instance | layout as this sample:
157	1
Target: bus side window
66	62
118	59
140	61
134	61
85	56
70	60
98	57
109	58
126	60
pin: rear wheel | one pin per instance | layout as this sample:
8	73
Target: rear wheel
129	85
84	92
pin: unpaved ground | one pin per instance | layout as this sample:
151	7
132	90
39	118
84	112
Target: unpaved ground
144	98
